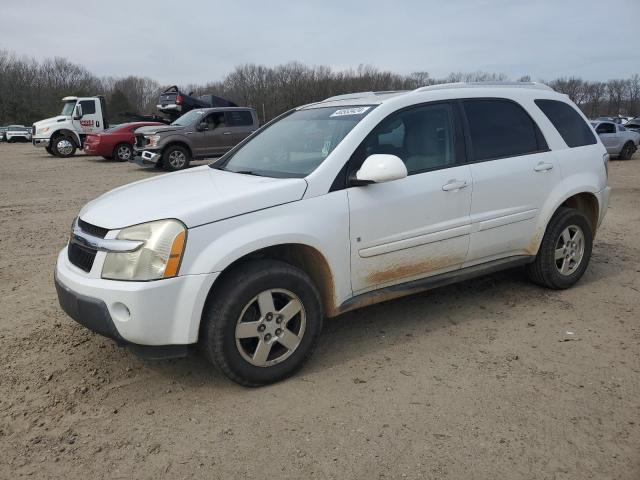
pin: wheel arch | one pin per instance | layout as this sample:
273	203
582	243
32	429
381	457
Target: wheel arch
305	257
583	200
66	131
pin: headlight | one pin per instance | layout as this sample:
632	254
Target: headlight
153	140
43	130
159	257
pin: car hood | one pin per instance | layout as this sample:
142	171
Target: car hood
194	196
49	121
153	129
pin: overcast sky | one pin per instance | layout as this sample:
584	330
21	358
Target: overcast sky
197	41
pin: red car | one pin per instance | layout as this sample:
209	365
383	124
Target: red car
115	142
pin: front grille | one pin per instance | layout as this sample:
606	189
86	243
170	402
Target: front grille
81	257
92	229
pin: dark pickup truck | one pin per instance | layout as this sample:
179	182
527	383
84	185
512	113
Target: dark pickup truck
173	103
198	134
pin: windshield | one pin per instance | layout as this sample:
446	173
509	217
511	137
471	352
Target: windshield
295	145
189	118
113	128
67	110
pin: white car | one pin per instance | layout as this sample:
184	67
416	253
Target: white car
17	133
618	140
333	206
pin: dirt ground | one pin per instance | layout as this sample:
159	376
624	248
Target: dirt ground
480	380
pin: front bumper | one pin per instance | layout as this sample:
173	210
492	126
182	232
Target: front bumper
40	142
156	313
146	157
12	136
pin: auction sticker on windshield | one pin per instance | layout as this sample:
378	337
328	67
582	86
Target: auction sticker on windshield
349	111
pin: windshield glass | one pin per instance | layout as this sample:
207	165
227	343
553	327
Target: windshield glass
113	128
189	118
295	145
67	109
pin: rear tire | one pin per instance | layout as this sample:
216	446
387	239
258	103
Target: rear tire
123	152
564	252
627	151
175	158
64	146
262	323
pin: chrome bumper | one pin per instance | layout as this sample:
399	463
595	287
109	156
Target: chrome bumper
146	157
40	142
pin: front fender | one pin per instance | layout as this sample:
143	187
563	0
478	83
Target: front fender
321	223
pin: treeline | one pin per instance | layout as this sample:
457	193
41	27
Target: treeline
31	90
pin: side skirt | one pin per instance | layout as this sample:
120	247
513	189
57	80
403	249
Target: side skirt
428	283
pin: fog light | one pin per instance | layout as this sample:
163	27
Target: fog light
121	312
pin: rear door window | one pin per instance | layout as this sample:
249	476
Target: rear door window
500	128
570	125
239	118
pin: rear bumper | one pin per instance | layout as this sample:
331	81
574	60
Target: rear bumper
603	200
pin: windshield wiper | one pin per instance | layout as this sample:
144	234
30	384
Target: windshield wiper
245	172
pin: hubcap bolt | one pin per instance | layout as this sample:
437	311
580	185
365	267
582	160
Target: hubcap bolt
278	331
279	319
267	337
261	328
269	316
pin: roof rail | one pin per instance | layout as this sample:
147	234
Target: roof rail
444	86
356	95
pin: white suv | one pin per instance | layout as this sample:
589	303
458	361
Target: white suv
333	206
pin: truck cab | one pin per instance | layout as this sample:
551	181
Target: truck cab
64	134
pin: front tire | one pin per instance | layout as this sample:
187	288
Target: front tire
49	150
64	146
564	252
263	322
175	158
123	152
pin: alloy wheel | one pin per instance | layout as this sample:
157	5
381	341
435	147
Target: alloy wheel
569	250
270	327
177	159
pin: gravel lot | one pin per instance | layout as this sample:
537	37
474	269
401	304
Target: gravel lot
478	380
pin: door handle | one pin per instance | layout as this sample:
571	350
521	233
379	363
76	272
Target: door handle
543	167
453	185
226	133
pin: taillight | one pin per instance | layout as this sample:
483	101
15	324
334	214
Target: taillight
179	100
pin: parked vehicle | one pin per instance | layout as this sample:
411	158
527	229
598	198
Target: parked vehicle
202	133
115	142
173	103
633	124
63	135
17	133
333	206
617	139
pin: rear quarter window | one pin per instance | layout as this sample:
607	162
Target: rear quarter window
570	125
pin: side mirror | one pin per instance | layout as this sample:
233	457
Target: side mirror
380	168
78	113
202	127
